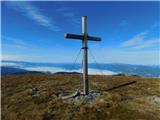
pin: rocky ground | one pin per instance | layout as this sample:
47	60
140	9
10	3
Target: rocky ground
39	97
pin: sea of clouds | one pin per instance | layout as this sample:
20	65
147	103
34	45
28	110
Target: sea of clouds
52	69
60	69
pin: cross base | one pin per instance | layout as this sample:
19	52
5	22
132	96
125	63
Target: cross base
80	95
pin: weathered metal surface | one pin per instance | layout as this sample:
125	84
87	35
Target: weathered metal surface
85	56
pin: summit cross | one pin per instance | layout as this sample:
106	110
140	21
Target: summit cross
84	37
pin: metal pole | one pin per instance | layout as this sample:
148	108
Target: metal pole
85	58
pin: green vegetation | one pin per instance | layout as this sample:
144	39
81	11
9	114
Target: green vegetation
131	102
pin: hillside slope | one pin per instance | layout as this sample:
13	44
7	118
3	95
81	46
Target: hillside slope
138	101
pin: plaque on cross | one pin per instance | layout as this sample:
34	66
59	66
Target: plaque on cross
84	37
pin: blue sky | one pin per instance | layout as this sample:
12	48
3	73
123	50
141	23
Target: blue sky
34	31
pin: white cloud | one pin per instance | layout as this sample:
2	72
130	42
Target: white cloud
59	69
45	69
141	41
12	57
136	40
15	43
91	71
98	72
32	12
8	64
148	44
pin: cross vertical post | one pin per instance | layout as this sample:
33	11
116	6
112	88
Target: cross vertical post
84	37
85	54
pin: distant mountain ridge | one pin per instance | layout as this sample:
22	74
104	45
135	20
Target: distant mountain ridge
16	71
140	70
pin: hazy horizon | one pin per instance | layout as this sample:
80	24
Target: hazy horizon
78	62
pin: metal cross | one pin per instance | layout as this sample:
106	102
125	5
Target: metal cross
84	37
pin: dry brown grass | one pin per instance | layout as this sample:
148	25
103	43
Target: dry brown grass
126	103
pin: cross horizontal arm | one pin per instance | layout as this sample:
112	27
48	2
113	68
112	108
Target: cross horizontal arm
93	38
81	37
73	36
